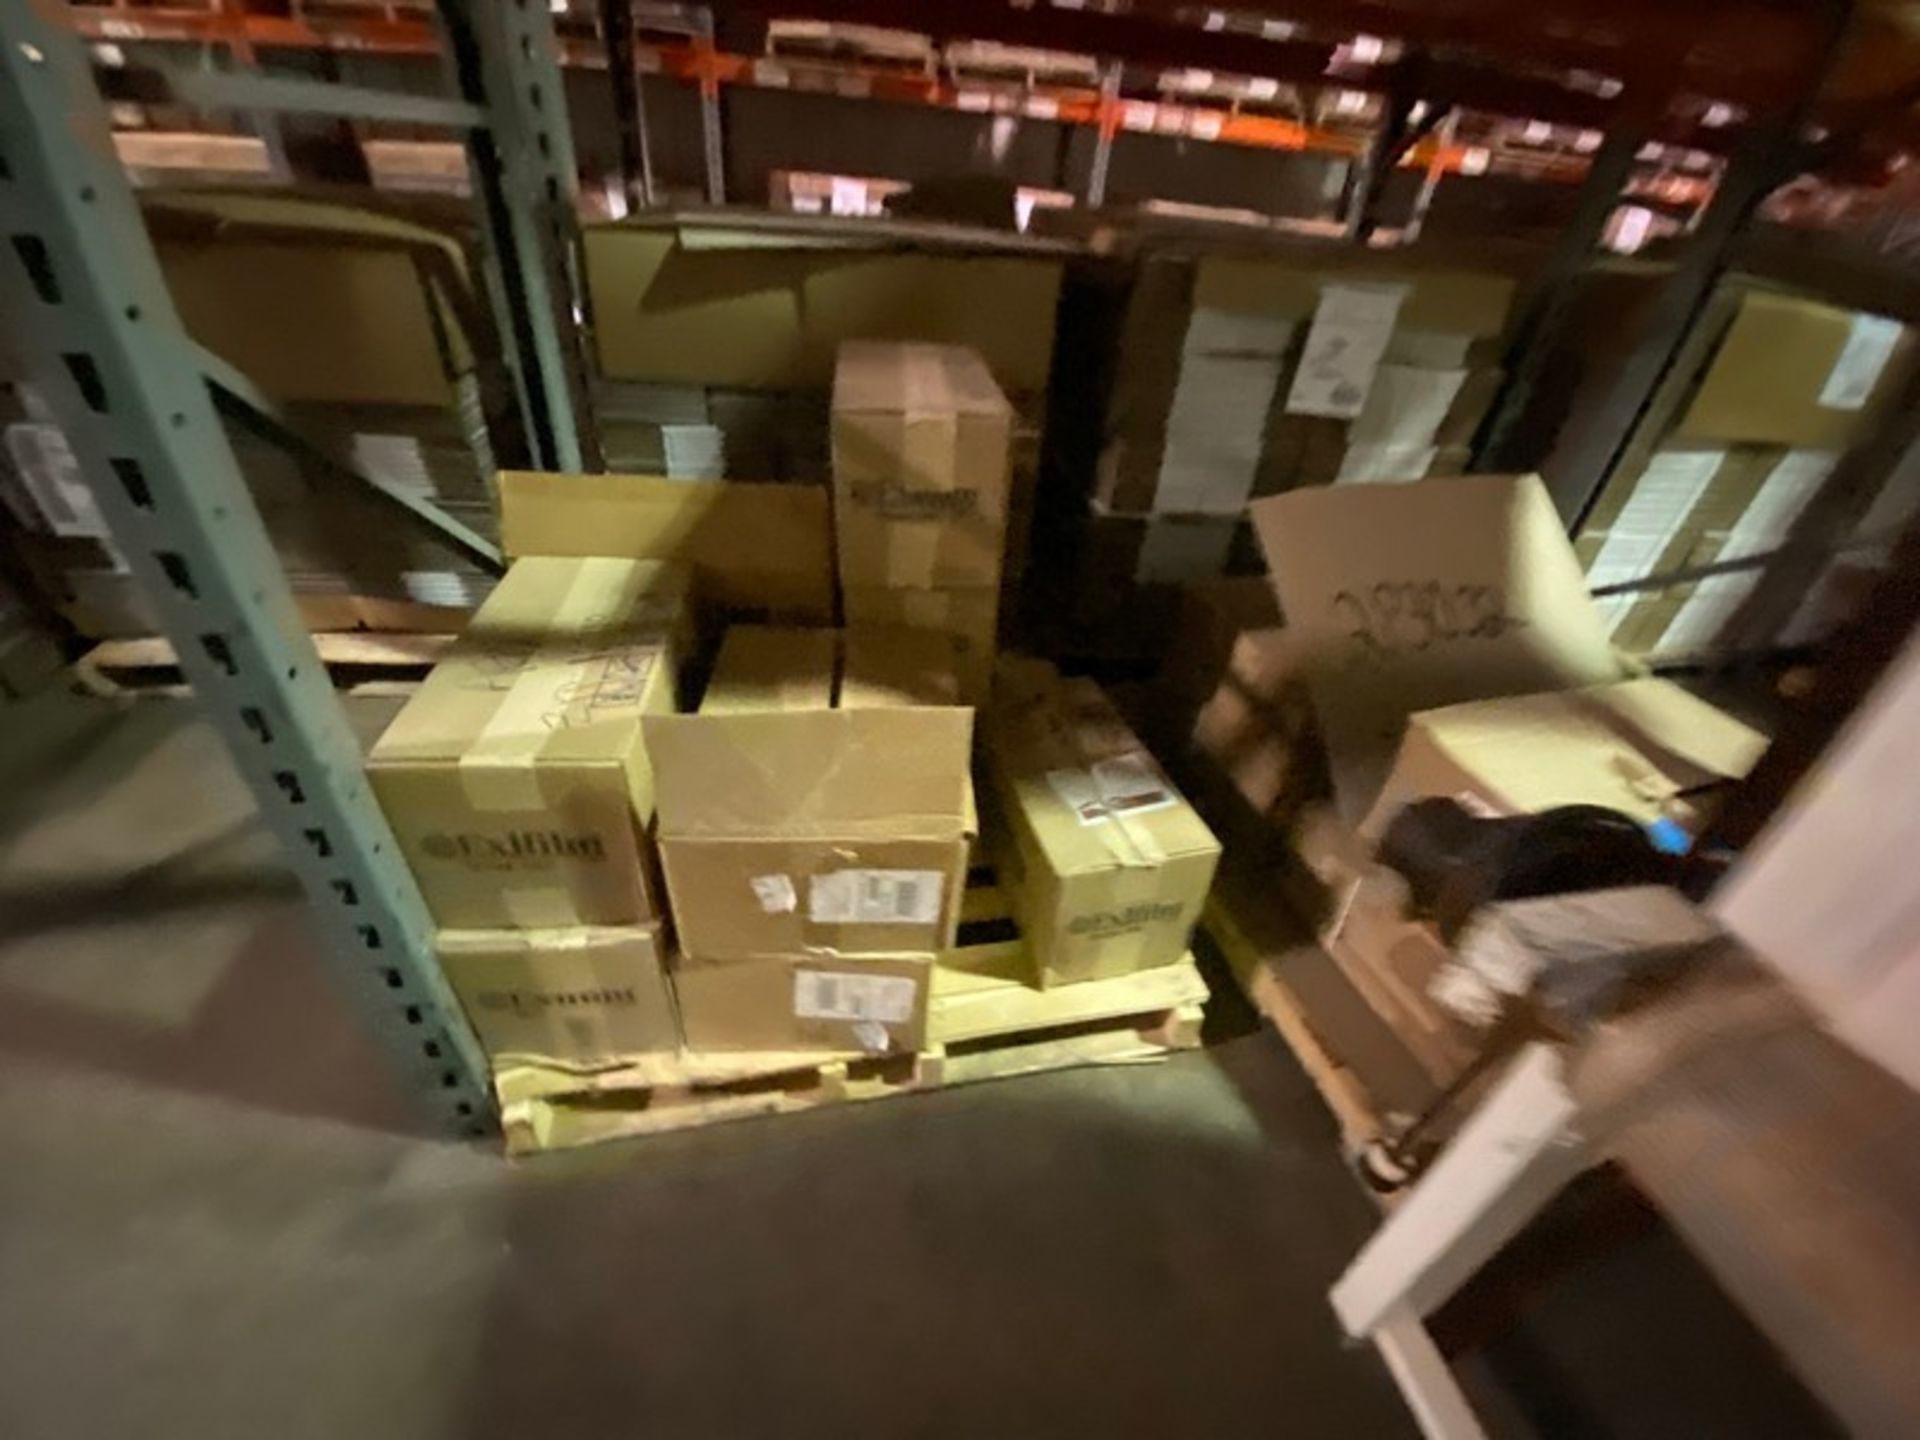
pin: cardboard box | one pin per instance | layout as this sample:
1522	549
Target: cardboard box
1405	598
751	547
1636	747
767	304
1107	866
768	667
921	436
515	779
1795	372
800	830
579	996
967	615
876	1003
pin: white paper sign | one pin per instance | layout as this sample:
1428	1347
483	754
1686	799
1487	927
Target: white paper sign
875	897
1870	341
837	995
1350	331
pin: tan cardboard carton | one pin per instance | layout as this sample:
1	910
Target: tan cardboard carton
890	666
877	1003
1107	865
801	830
920	466
771	667
577	996
1636	747
969	615
515	779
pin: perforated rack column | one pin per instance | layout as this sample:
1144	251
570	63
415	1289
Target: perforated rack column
83	301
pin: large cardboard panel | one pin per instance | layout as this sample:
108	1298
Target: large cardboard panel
574	996
1459	302
516	779
750	546
314	302
801	1003
1410	597
759	317
1108	867
1634	747
966	615
771	667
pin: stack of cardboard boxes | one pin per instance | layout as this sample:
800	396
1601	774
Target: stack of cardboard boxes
1243	377
1767	393
815	818
921	443
518	785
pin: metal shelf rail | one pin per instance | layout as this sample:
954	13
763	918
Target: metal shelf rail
88	307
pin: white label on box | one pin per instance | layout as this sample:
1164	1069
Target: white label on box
1123	785
839	995
1662	498
1349	335
775	893
46	463
1870	341
875	897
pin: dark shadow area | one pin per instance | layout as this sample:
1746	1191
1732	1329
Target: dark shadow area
1105	1251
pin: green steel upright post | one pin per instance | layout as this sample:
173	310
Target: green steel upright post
525	182
86	305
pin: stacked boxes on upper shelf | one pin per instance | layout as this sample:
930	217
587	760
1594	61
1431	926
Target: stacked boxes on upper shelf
815	818
1766	394
1243	376
921	444
519	789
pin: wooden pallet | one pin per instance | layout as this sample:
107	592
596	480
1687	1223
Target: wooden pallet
147	664
986	1021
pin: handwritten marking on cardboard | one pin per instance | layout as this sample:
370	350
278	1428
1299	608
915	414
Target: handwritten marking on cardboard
1395	617
1350	331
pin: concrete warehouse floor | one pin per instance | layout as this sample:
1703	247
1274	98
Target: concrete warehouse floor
214	1220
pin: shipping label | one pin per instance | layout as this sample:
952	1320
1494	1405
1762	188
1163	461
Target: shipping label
840	995
875	897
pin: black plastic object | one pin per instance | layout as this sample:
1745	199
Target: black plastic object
1455	861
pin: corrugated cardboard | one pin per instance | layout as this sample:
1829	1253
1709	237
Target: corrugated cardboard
890	666
767	667
1459	302
750	546
800	830
920	466
362	295
877	1003
1765	383
577	996
1409	597
666	310
967	615
515	779
1108	867
1634	747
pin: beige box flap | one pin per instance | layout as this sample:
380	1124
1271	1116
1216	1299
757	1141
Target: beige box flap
813	772
772	667
748	544
1410	597
891	666
1631	747
915	379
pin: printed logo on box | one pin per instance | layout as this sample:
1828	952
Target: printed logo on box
900	502
514	850
1105	924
